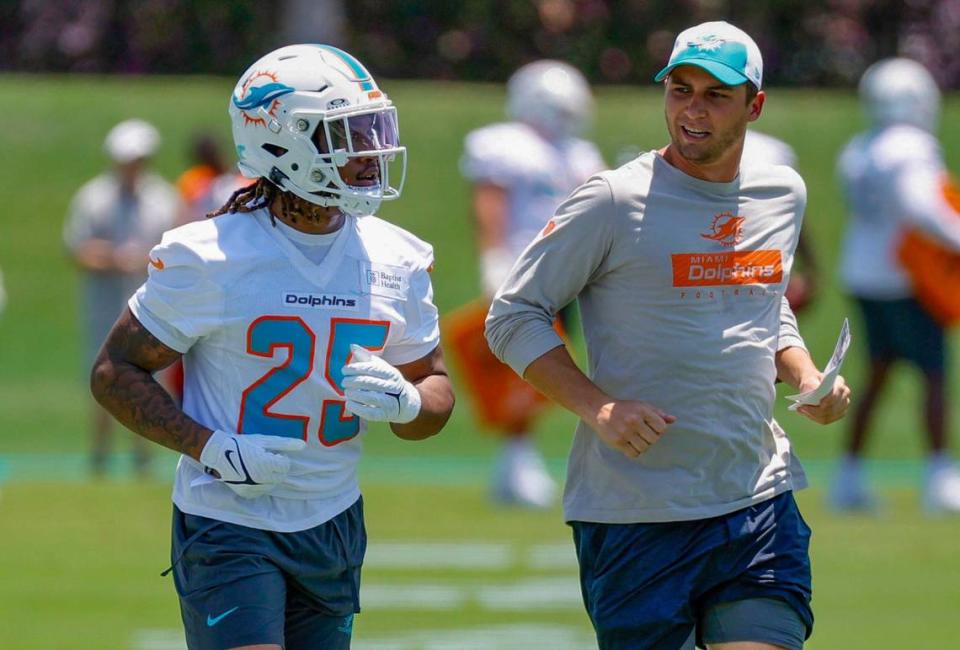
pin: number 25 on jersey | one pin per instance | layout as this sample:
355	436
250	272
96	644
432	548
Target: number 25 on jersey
265	336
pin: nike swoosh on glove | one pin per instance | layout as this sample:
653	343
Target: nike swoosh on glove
247	463
377	391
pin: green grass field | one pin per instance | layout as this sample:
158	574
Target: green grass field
79	561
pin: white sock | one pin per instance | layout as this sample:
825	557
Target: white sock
939	461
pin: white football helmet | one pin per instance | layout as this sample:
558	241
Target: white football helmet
302	112
897	91
551	96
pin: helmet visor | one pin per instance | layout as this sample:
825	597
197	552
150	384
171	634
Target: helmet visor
359	133
359	157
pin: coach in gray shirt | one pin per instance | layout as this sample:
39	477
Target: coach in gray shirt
680	481
113	222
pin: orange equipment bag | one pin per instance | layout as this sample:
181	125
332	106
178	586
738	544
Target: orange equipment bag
934	269
502	399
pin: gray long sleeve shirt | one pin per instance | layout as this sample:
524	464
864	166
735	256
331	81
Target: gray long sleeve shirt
680	283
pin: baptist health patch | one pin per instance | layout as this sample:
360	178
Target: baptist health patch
384	280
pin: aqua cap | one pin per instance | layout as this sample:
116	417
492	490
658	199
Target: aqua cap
725	51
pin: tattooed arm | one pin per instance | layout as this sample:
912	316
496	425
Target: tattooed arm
122	383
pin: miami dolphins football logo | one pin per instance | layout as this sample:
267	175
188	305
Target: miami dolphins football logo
707	43
261	89
726	229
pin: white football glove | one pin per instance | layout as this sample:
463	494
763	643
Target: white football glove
246	463
377	391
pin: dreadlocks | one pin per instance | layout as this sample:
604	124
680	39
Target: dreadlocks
263	194
248	198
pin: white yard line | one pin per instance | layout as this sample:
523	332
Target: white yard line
530	594
470	556
536	594
417	596
494	637
490	637
152	639
561	556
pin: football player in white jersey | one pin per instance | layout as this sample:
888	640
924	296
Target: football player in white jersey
299	317
894	177
520	171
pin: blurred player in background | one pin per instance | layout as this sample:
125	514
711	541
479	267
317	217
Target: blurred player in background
894	179
763	149
195	182
680	482
209	182
113	222
299	317
521	170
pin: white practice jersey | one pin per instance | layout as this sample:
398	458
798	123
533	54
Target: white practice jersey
892	178
265	334
762	149
537	173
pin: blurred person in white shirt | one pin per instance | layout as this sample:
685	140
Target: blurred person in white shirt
894	179
520	171
113	222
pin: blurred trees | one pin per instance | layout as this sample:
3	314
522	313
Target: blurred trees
135	36
619	41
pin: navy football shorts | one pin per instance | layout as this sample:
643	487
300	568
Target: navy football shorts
244	586
649	585
902	329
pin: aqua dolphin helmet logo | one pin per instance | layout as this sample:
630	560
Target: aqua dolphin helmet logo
253	96
262	95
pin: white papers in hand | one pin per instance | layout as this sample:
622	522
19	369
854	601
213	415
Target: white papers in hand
813	397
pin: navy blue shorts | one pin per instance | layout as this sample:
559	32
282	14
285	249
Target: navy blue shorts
647	585
902	329
244	586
